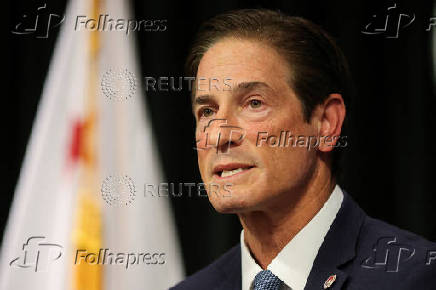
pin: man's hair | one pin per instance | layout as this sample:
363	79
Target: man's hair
317	65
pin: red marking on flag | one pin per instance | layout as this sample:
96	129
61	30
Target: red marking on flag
76	134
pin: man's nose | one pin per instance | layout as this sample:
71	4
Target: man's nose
223	134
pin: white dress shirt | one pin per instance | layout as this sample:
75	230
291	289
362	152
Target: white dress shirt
294	262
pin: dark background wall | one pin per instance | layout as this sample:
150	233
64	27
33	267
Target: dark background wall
389	162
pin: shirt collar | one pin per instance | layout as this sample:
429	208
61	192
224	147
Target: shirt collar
294	262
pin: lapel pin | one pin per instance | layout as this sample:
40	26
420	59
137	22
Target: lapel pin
329	282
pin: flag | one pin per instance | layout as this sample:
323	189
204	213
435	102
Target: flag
79	218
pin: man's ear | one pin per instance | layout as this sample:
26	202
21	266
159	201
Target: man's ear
332	117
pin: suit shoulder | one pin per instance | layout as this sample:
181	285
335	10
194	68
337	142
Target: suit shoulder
213	274
388	255
375	228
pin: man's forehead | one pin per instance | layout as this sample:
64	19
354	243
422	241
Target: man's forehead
233	66
234	56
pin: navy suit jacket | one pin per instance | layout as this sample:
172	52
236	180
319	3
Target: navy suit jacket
363	253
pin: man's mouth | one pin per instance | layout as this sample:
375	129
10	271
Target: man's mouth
228	170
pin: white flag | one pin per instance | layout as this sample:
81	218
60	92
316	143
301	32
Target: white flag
138	245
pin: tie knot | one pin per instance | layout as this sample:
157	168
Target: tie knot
266	280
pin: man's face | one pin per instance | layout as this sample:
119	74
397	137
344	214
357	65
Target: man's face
257	98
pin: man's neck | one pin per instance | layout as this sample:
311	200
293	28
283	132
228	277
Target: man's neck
268	231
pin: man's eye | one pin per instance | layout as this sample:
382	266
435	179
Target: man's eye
255	104
206	112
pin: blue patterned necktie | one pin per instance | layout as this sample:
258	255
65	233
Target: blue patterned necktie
266	280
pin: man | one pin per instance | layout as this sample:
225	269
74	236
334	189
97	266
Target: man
300	230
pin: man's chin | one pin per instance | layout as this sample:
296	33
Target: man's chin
227	205
228	209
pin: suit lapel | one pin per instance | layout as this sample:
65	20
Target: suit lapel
338	247
232	273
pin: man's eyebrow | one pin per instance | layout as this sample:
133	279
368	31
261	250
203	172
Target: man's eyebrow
202	99
246	86
239	88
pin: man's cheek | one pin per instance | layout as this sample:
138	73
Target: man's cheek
255	135
200	141
202	163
